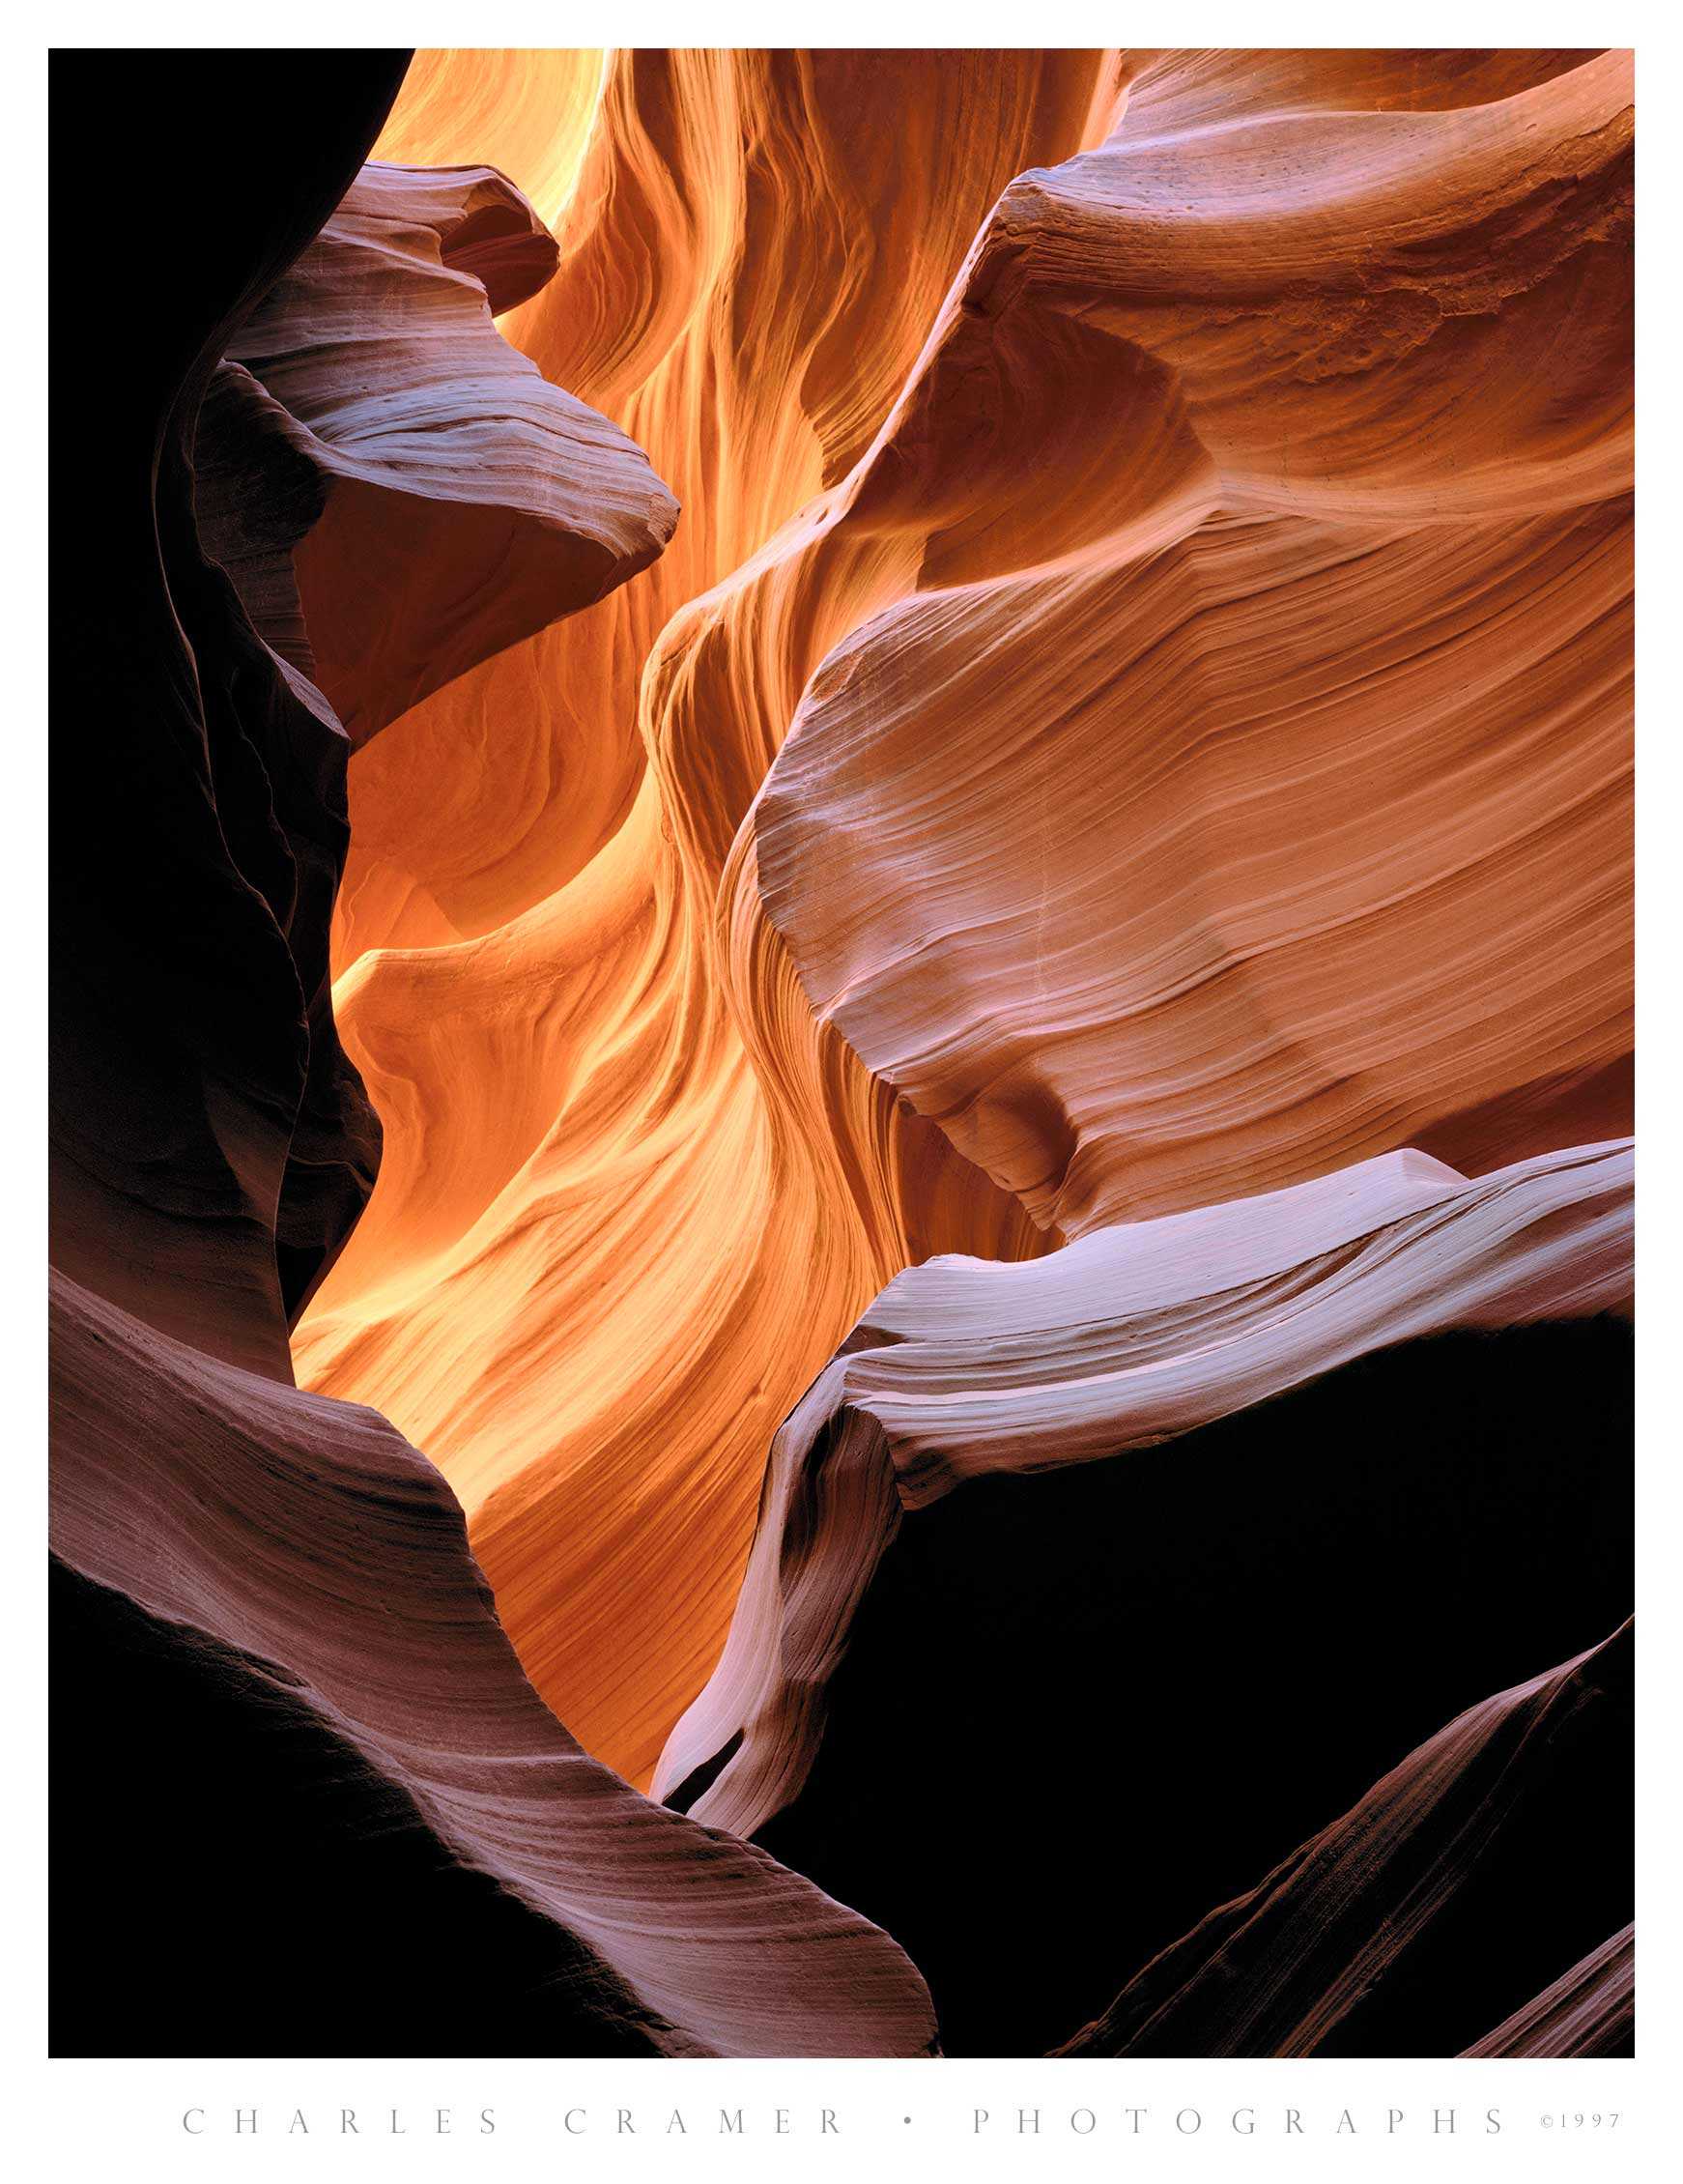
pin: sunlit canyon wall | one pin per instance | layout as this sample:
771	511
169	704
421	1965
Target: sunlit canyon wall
902	800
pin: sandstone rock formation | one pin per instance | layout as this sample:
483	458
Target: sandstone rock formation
309	1537
573	1287
1027	474
1589	2010
1308	1963
1054	953
1107	1698
212	1141
1125	1340
467	500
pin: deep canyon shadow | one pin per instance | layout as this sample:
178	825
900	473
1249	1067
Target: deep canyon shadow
229	1879
1082	1709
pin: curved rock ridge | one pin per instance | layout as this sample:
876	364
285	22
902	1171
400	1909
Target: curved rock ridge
1057	954
1278	1605
240	1778
1235	779
751	258
528	113
309	1536
211	1141
1307	1961
462	500
1123	1339
573	1286
195	1073
1589	2010
1209	638
212	1145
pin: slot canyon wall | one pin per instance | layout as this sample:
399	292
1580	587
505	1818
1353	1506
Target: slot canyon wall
841	1059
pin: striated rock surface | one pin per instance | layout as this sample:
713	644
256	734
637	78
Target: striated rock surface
530	113
211	1142
309	1538
227	1536
465	500
1270	480
1122	1340
603	1255
1344	1948
1116	1693
1206	640
1589	2010
1057	954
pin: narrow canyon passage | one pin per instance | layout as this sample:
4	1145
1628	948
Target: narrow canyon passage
633	1194
843	1052
605	1253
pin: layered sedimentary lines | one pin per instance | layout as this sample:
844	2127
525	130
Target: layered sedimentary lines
1285	1969
1589	2010
1125	1340
1278	605
964	724
608	1250
526	114
1205	636
467	500
212	1141
307	1536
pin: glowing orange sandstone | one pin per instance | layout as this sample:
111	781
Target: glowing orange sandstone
602	1260
527	113
1206	630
